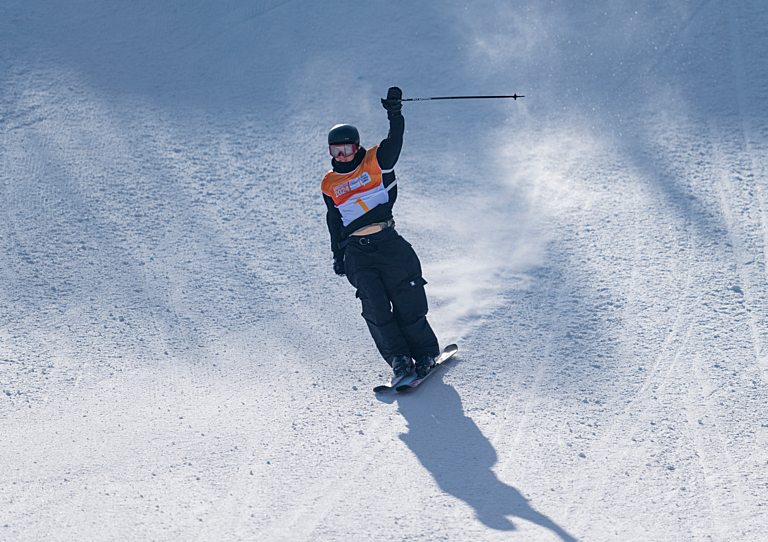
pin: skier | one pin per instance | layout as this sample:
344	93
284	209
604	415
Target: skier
359	192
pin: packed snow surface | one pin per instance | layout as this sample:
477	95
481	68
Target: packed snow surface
178	360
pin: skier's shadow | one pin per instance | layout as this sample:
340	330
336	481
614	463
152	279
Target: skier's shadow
452	448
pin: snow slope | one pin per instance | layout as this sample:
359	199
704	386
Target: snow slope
179	362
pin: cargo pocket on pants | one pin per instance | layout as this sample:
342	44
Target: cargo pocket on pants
411	304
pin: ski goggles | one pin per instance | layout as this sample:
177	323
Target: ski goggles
347	149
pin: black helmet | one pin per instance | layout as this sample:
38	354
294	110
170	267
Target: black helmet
343	133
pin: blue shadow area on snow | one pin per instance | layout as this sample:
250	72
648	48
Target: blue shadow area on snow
459	457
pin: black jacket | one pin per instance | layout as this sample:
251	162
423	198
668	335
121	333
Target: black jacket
386	155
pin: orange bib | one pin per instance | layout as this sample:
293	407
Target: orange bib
359	191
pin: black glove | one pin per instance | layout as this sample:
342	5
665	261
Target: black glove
392	103
338	266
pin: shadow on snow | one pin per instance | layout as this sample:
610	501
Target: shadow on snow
459	457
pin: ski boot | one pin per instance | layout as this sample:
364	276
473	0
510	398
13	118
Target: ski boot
401	365
423	365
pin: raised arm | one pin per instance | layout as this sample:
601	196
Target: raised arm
389	149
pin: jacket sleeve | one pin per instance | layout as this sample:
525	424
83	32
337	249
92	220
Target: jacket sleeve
333	219
389	149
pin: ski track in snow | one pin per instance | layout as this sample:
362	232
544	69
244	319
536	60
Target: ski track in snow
178	361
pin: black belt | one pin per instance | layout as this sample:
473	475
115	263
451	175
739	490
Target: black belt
364	240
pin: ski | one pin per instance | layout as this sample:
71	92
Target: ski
394	382
447	354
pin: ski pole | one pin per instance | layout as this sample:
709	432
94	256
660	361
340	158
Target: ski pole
514	97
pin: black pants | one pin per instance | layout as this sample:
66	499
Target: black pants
387	275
